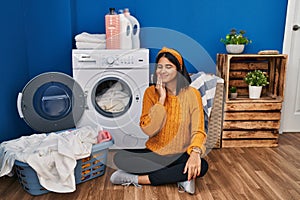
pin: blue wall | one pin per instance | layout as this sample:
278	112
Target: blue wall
38	36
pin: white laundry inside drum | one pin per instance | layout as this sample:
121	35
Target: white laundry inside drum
115	99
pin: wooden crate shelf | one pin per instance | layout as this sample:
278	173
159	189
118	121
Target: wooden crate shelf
252	122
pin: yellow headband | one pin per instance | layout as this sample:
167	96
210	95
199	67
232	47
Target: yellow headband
174	53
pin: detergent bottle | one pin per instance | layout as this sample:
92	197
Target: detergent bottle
112	29
136	29
125	32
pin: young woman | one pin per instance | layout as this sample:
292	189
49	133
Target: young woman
173	118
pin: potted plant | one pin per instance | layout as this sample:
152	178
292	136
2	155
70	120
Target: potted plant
235	41
233	92
256	80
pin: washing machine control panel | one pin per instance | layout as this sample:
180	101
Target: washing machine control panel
110	58
121	60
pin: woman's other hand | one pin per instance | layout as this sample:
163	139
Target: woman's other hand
193	166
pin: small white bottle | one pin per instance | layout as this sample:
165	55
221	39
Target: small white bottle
136	29
125	32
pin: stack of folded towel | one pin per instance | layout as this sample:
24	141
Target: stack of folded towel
86	40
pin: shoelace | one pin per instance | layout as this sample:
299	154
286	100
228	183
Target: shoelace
181	189
129	183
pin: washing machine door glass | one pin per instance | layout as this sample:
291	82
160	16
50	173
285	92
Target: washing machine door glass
112	97
52	101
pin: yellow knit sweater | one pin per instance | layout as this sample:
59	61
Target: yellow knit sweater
175	127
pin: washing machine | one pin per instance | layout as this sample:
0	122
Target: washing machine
105	92
113	82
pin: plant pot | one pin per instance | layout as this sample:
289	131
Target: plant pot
254	92
233	95
235	48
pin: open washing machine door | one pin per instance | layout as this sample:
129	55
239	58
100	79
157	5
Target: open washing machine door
51	101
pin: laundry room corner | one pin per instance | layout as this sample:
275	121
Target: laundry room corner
32	45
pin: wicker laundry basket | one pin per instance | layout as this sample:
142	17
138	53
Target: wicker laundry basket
214	133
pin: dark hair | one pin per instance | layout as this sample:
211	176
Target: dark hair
183	77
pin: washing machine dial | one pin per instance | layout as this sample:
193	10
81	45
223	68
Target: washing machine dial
110	60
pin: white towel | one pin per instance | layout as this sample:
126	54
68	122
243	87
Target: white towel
90	45
53	157
91	38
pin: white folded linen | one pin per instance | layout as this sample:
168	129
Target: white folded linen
88	37
90	45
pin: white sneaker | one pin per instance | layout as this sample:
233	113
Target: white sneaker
120	177
187	186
